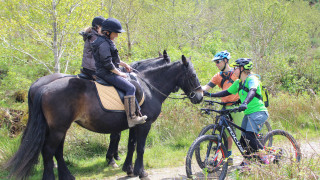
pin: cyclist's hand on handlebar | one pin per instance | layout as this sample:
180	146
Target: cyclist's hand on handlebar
206	93
243	107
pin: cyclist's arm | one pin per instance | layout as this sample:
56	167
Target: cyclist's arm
219	94
208	86
250	96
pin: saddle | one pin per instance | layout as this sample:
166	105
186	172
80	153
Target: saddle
111	98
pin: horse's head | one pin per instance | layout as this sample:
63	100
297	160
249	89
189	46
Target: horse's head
190	83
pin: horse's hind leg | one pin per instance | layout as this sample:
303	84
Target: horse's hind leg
127	166
113	149
51	144
116	148
63	170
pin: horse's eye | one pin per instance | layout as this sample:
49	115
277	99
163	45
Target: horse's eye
194	75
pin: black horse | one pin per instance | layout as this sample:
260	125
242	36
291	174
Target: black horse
65	100
139	66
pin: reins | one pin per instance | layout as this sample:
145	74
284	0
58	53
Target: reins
138	74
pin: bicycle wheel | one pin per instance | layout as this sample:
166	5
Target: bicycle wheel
214	163
213	127
265	129
284	148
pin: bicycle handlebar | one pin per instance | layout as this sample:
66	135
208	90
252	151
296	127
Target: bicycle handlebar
223	111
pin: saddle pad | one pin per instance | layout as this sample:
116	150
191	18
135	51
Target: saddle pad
110	99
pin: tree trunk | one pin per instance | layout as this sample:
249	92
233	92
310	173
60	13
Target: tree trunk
55	38
129	40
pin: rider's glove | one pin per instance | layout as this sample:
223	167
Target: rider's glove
243	107
206	93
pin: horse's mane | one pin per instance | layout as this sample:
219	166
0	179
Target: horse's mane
145	60
154	70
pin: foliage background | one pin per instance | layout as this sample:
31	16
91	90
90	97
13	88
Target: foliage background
281	36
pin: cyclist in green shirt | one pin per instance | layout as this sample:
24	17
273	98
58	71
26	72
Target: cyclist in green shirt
249	89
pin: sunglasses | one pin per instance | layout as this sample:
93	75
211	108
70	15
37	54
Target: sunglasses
218	61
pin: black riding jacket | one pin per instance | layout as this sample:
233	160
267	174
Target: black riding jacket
88	61
106	55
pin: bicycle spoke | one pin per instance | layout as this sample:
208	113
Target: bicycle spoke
211	164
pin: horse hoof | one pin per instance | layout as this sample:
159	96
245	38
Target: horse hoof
117	158
145	178
131	175
114	165
144	175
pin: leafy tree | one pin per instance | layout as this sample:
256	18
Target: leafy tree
49	25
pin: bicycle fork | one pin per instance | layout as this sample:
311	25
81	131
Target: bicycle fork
216	151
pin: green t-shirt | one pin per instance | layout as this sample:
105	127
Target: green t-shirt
255	104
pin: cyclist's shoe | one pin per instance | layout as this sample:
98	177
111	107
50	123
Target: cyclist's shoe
230	161
265	159
243	166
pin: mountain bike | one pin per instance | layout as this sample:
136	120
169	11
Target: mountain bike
211	128
211	161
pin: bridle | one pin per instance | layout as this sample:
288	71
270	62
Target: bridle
190	95
189	79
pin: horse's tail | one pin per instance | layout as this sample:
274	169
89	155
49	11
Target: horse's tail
30	105
21	164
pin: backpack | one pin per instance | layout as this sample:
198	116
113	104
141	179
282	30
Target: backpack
226	77
264	97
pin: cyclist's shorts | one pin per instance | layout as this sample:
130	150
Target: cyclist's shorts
254	122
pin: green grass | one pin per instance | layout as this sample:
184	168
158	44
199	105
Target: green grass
170	137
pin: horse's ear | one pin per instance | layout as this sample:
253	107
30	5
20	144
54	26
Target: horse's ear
160	55
165	55
184	60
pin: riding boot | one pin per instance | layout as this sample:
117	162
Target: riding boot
138	110
130	108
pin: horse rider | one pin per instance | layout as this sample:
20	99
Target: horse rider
107	62
90	34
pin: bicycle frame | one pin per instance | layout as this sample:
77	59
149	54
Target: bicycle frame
224	123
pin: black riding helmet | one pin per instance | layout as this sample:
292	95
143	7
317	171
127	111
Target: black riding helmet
246	63
112	25
97	21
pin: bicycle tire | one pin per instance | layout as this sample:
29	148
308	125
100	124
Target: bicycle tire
284	147
214	165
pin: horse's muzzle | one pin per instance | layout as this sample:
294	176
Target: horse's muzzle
196	96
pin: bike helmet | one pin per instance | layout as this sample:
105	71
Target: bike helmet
246	63
112	25
97	21
222	55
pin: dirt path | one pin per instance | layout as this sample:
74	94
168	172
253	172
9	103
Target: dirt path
308	149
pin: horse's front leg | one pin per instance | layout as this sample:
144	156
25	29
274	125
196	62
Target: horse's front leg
127	166
113	149
141	134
